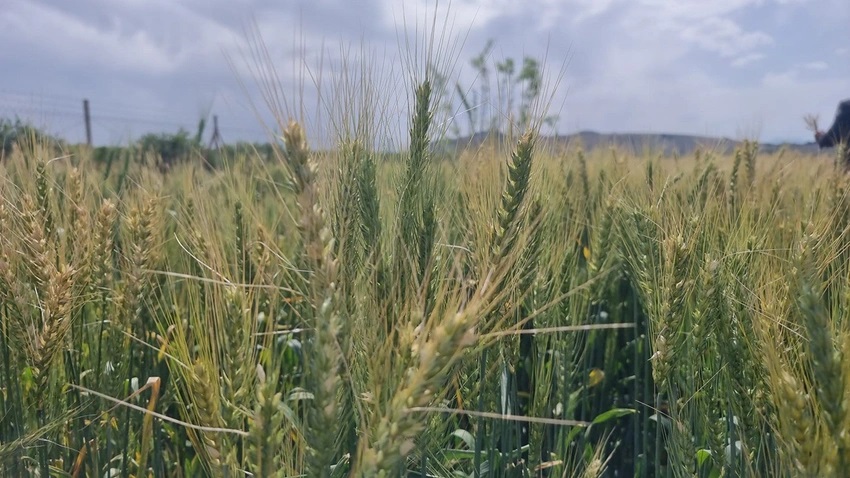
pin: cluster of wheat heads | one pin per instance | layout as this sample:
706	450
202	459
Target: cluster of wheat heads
309	331
342	311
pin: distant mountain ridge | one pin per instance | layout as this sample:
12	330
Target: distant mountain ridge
665	144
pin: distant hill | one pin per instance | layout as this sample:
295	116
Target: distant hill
666	144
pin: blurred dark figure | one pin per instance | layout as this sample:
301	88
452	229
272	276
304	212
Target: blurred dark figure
839	132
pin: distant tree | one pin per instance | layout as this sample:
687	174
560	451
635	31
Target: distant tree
169	148
172	148
19	132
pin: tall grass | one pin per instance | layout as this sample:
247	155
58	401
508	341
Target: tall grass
516	310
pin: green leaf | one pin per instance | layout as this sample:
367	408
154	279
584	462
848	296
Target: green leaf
574	431
466	437
588	453
703	455
458	455
612	414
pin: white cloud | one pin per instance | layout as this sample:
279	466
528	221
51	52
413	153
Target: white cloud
723	36
587	9
478	14
747	59
475	13
650	76
784	79
688	10
694	103
710	27
815	65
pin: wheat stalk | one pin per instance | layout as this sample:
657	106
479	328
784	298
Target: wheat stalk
393	438
325	356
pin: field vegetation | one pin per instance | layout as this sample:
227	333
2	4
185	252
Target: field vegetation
511	310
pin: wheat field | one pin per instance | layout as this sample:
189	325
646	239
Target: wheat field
511	310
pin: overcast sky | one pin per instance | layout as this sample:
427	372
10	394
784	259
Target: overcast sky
734	68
